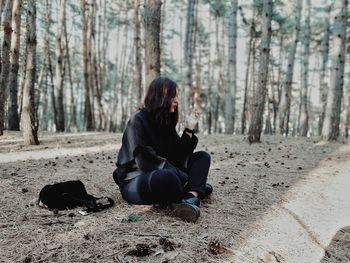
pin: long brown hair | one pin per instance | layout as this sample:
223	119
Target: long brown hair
158	99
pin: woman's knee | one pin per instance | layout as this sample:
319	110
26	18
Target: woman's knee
203	156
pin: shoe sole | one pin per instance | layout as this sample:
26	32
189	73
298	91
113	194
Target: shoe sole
186	212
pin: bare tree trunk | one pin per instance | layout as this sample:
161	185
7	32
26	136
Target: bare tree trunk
73	108
246	83
151	21
87	113
284	105
231	84
323	83
13	118
256	123
330	129
189	53
304	114
137	44
29	122
5	60
59	72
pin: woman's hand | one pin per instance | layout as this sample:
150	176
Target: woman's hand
192	119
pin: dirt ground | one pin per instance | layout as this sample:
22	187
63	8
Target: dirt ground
247	180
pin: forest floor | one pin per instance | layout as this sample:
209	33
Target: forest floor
282	200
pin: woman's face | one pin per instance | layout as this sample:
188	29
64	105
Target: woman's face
173	105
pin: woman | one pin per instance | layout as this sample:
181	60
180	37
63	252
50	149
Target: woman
155	165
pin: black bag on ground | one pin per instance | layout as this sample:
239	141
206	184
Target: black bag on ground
66	195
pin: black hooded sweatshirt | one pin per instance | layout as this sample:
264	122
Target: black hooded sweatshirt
146	145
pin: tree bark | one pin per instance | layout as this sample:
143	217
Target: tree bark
29	122
256	122
284	105
151	22
73	108
5	66
323	83
138	55
246	82
87	111
189	53
231	84
330	129
59	71
304	114
13	118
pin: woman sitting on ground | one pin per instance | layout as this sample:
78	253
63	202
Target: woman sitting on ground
155	165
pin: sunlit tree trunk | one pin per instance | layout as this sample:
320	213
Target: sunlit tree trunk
231	84
5	66
323	83
330	129
256	122
13	118
304	114
151	20
285	102
29	122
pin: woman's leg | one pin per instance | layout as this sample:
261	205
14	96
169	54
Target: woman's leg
197	169
156	187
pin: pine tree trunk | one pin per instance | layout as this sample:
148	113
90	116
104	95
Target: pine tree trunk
28	122
59	72
304	114
87	111
246	82
188	49
151	21
285	102
330	129
137	44
73	108
257	111
1	9
13	118
231	84
5	66
323	83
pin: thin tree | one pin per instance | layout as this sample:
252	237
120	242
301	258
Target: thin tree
137	44
323	82
285	101
189	50
29	122
5	66
231	84
304	114
13	118
59	70
330	129
88	112
256	122
151	22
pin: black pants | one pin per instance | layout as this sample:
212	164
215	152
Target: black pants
170	183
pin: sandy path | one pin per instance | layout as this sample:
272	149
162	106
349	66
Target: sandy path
52	153
300	228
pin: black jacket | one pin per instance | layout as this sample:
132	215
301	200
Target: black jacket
146	146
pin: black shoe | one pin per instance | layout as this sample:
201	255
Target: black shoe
208	189
186	212
191	199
